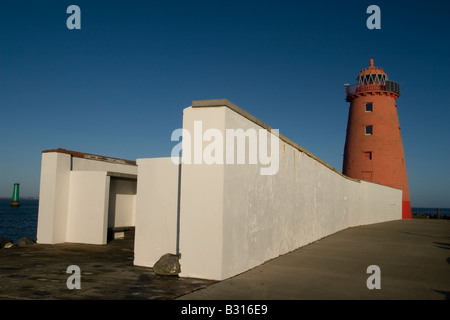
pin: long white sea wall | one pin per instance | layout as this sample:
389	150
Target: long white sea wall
233	218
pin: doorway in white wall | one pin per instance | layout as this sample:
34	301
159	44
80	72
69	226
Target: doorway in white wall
121	207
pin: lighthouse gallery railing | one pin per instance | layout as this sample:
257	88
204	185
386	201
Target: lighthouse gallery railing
387	85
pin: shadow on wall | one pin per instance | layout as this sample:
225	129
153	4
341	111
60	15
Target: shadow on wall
122	196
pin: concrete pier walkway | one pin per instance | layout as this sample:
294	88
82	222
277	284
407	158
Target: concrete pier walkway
413	257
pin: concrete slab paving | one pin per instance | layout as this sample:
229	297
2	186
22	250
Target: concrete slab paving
413	257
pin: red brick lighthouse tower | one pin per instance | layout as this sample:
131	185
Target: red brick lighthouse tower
373	146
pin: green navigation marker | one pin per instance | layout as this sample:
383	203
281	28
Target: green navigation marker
15	198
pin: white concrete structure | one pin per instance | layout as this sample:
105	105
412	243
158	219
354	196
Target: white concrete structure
232	218
156	210
82	196
222	218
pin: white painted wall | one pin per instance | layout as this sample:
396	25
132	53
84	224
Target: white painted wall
233	218
74	198
378	203
88	207
156	210
202	205
122	198
53	198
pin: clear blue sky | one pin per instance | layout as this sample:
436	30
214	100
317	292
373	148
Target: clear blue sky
118	86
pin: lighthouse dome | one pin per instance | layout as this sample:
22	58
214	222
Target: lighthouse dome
372	74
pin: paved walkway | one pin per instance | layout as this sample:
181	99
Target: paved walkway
413	256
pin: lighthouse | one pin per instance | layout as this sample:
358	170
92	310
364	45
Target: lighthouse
373	146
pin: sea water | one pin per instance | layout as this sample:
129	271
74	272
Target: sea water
431	211
18	222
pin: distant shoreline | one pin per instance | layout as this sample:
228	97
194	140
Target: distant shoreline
20	198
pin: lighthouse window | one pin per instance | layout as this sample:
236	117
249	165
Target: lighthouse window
369	107
368	155
369	130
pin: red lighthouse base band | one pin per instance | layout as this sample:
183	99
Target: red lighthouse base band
406	210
